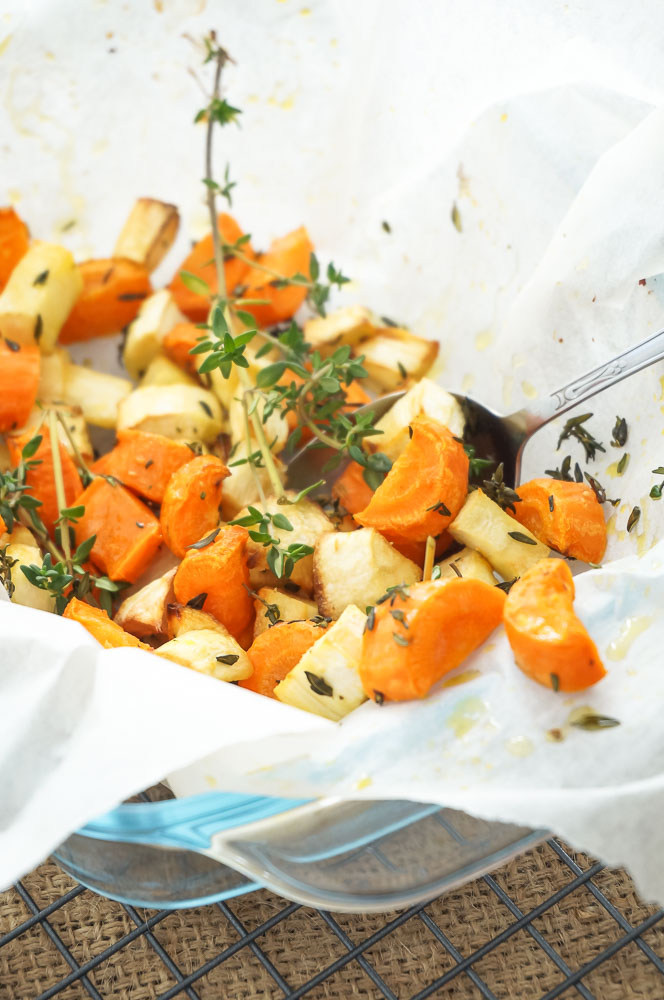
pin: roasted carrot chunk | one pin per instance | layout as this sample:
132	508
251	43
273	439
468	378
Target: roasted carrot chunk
549	642
41	479
276	651
144	462
217	576
351	489
14	242
19	381
127	532
100	626
201	263
177	345
565	516
423	632
113	290
425	488
190	509
286	257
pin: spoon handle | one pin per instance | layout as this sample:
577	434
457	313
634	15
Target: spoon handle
593	382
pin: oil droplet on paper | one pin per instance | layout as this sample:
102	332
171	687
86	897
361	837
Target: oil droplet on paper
363	783
630	630
529	390
613	471
519	746
210	781
467	382
463	678
483	340
466	715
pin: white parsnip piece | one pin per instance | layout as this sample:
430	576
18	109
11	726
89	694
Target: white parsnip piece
163	371
482	525
149	232
349	325
425	398
158	314
308	524
393	357
357	567
143	613
209	652
282	605
53	376
326	681
240	489
39	295
76	425
181	412
24	592
467	563
99	395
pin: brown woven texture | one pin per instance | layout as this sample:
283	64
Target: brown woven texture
305	943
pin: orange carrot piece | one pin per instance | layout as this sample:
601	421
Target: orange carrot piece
287	256
177	345
550	643
201	263
113	290
425	488
355	396
144	462
351	489
565	516
443	622
275	652
41	479
3	526
127	532
190	508
100	626
14	242
19	381
219	576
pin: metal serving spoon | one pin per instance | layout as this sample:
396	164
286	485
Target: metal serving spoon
494	436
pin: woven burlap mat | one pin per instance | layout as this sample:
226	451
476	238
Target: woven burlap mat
304	943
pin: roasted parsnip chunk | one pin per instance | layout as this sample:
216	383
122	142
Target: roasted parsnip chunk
357	567
149	232
424	398
275	427
308	524
349	325
53	376
394	356
326	680
240	489
22	591
19	535
144	612
467	564
158	314
181	618
482	525
75	438
210	652
39	295
97	394
273	605
163	371
182	412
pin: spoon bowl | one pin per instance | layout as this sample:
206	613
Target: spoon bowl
498	438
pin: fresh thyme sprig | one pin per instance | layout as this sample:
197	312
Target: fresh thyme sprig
497	491
281	559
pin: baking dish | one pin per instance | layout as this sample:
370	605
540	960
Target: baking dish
331	853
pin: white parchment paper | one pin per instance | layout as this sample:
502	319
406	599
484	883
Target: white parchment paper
541	123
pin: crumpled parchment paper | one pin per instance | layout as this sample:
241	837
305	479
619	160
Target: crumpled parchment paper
541	125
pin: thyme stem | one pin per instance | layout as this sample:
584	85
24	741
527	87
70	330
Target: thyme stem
80	461
222	291
247	434
304	416
59	485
